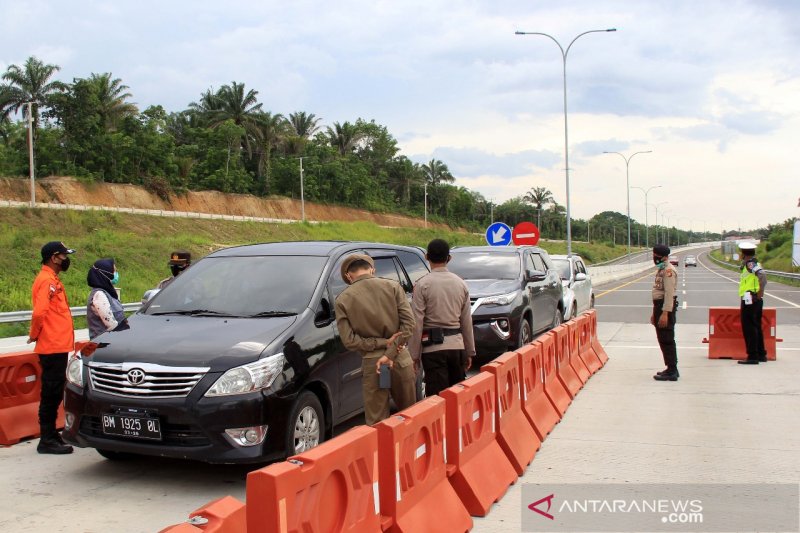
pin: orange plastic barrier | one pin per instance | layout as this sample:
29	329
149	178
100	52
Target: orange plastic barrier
726	340
566	374
586	350
477	467
415	495
225	515
575	360
20	390
328	489
515	433
540	412
596	346
553	389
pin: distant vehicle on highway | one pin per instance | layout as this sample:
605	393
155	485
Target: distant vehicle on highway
238	360
515	292
578	293
674	260
690	260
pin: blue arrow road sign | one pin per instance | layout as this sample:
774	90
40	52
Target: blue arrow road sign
498	234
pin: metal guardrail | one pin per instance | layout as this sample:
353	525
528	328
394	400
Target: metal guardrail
777	273
25	316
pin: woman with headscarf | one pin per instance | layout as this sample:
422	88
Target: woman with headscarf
104	311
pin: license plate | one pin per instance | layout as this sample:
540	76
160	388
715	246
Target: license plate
135	427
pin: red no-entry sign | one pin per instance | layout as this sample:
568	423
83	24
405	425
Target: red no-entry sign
525	233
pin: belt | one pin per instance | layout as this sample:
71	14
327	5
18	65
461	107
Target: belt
449	332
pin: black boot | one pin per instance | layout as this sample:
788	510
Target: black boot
660	372
748	362
667	375
51	443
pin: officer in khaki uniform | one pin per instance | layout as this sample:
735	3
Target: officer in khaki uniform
374	318
664	307
443	339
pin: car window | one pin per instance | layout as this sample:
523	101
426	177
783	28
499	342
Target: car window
562	266
385	268
335	282
548	264
242	286
414	265
538	263
581	268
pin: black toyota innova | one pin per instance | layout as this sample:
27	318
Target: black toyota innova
238	360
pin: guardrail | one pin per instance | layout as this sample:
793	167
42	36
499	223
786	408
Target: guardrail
24	316
777	273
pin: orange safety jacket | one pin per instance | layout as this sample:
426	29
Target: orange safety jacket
51	323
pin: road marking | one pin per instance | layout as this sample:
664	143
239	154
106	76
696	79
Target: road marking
623	285
684	292
684	303
610	346
765	293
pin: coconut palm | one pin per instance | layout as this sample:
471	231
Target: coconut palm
233	102
539	197
301	126
30	83
272	130
344	137
111	94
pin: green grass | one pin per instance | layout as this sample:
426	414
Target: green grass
141	245
774	265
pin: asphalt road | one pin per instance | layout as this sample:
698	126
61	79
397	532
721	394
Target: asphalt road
83	492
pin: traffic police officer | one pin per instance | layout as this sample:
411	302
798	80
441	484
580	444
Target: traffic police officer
374	318
443	339
665	304
179	261
752	282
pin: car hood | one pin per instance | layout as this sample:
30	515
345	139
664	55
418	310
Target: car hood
174	340
480	288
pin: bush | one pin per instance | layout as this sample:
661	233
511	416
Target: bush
158	186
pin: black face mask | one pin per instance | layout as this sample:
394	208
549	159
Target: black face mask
657	260
65	265
176	269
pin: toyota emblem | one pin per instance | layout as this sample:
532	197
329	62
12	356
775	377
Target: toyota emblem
135	376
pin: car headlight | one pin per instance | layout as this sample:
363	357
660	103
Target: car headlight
248	378
502	299
75	371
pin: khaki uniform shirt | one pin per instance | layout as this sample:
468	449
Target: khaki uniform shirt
441	300
665	286
370	311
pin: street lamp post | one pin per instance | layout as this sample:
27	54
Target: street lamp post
30	152
646	230
628	189
302	196
662	231
426	203
566	135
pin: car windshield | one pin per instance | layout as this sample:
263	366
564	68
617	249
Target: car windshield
562	265
485	265
259	286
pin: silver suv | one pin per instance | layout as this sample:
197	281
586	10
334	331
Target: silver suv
578	292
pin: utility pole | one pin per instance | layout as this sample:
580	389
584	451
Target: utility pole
426	203
30	152
302	196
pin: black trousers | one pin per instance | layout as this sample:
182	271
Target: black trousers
443	369
751	329
666	336
54	376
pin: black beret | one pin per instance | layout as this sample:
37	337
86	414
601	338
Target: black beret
661	249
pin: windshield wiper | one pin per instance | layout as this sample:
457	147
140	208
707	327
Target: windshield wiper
194	312
272	313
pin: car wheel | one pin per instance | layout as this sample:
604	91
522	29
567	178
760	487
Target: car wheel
574	311
306	424
116	456
525	333
591	302
557	318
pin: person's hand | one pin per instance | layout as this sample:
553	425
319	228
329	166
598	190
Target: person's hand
417	367
392	339
662	320
653	320
469	364
383	361
30	340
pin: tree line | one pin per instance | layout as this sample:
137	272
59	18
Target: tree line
228	141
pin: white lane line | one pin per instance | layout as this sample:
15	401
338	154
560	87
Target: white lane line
684	305
684	292
611	346
765	293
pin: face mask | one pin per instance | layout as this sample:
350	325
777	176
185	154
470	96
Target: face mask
65	265
115	279
660	263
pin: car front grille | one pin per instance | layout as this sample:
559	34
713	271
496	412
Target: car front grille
144	380
173	434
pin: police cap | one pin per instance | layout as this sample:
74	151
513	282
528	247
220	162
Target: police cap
661	250
52	248
180	258
747	246
352	258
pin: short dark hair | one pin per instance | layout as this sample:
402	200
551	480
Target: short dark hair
358	264
438	250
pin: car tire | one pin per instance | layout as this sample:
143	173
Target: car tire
306	426
574	311
525	332
116	456
557	319
591	302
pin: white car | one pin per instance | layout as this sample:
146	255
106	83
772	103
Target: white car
690	260
578	294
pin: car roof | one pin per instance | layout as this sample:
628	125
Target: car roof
562	256
310	248
495	249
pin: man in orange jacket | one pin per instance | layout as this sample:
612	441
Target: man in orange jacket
54	334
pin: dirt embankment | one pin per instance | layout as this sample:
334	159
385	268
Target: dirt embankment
66	190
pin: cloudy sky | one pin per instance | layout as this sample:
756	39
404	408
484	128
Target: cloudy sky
712	88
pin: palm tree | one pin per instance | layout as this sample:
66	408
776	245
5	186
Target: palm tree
31	83
435	172
5	110
539	197
301	127
344	137
233	103
113	106
272	131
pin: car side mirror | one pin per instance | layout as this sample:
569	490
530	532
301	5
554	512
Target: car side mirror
324	316
148	295
580	276
535	275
